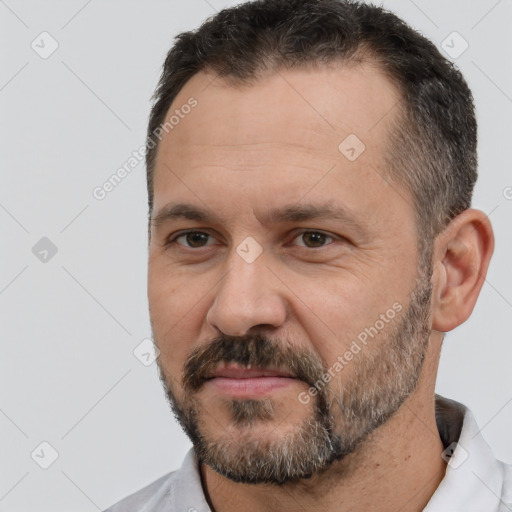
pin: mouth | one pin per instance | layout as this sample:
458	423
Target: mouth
249	382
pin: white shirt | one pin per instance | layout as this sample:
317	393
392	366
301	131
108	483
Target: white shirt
475	481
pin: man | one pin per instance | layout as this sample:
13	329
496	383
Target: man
310	170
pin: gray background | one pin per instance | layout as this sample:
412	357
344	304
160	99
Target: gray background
69	325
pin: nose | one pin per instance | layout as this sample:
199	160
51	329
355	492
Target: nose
248	296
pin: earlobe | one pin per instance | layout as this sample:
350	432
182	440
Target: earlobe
462	255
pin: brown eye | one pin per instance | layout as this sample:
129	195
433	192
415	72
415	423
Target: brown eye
314	239
194	239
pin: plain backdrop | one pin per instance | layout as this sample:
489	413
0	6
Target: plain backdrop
73	268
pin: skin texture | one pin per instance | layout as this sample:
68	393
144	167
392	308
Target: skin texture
243	151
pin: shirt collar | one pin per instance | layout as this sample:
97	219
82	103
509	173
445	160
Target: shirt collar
474	478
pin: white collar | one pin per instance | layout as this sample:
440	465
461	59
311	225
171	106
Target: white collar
475	481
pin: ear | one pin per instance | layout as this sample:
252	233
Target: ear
461	257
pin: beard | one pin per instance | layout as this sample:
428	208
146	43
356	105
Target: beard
340	417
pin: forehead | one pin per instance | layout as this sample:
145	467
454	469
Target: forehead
331	101
288	128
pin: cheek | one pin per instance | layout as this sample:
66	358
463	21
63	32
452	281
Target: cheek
335	313
169	292
177	311
162	298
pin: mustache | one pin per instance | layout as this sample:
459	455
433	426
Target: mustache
254	350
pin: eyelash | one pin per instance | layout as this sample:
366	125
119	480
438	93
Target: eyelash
172	240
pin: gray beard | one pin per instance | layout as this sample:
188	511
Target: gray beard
340	420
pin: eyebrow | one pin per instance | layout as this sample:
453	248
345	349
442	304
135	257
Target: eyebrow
287	213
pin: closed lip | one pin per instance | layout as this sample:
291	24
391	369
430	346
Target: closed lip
241	372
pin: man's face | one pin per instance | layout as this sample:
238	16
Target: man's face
284	292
